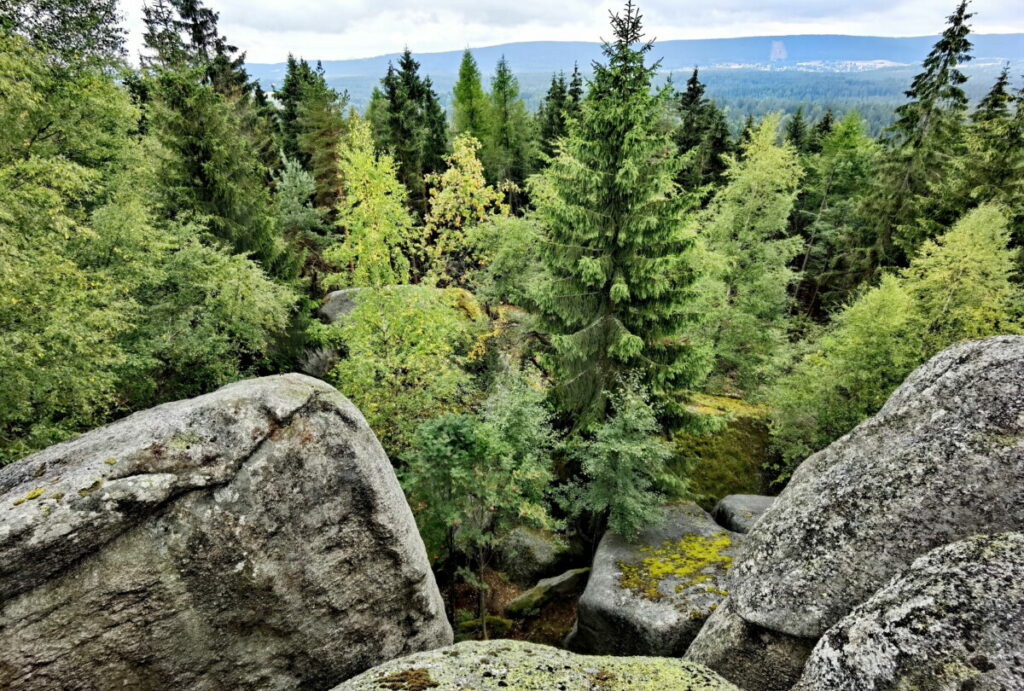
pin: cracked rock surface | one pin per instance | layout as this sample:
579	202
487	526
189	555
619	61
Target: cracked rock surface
254	537
954	620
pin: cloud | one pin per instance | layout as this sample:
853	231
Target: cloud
331	29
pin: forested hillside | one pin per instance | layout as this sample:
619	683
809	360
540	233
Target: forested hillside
555	306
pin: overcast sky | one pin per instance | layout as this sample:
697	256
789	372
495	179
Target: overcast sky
335	29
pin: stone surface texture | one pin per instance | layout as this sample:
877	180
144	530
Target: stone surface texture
514	665
254	537
571	582
651	597
942	460
954	620
739	512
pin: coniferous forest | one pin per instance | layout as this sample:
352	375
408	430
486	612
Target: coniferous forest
556	320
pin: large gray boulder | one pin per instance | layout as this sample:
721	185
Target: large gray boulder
750	656
650	597
338	304
504	665
942	460
255	537
739	512
954	620
525	554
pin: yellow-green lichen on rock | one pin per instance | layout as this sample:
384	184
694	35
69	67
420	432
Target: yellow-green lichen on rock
507	664
689	561
32	494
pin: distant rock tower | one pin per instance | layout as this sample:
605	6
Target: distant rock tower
779	51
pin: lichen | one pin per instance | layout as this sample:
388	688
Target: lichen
690	561
181	442
86	491
110	461
33	494
416	679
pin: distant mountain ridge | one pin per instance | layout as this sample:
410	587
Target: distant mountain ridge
829	52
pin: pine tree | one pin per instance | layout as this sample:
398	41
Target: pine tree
508	150
575	92
921	142
470	106
409	122
618	268
551	117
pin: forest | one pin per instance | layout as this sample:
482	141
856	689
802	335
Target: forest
555	309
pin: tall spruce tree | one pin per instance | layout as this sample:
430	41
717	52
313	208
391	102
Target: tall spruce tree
822	128
922	141
508	150
575	93
320	126
298	75
797	132
471	109
551	116
619	271
702	136
408	121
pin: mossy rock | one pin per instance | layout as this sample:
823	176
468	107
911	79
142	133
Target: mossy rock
729	461
651	597
506	664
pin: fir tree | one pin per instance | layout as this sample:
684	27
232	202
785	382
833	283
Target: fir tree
575	92
822	128
298	76
320	126
617	258
702	135
797	133
471	109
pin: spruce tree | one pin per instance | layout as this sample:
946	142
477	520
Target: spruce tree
921	142
298	75
822	128
508	150
320	125
552	113
619	271
797	133
702	135
408	121
575	91
471	109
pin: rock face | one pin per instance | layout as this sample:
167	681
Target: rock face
526	555
504	664
568	583
255	537
752	657
338	304
942	460
651	597
739	512
954	620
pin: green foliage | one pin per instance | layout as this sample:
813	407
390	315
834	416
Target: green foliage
508	151
471	479
618	256
553	114
746	296
407	120
471	107
460	199
958	287
406	351
74	30
702	136
510	251
623	464
375	226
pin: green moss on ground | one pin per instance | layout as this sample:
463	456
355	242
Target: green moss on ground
729	461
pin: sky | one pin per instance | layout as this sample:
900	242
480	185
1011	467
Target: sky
338	29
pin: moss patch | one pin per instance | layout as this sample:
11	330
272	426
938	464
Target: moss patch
33	494
729	461
690	561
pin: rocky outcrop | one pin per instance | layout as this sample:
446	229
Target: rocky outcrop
255	537
338	304
504	664
652	596
525	555
954	620
571	582
750	656
739	512
942	460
